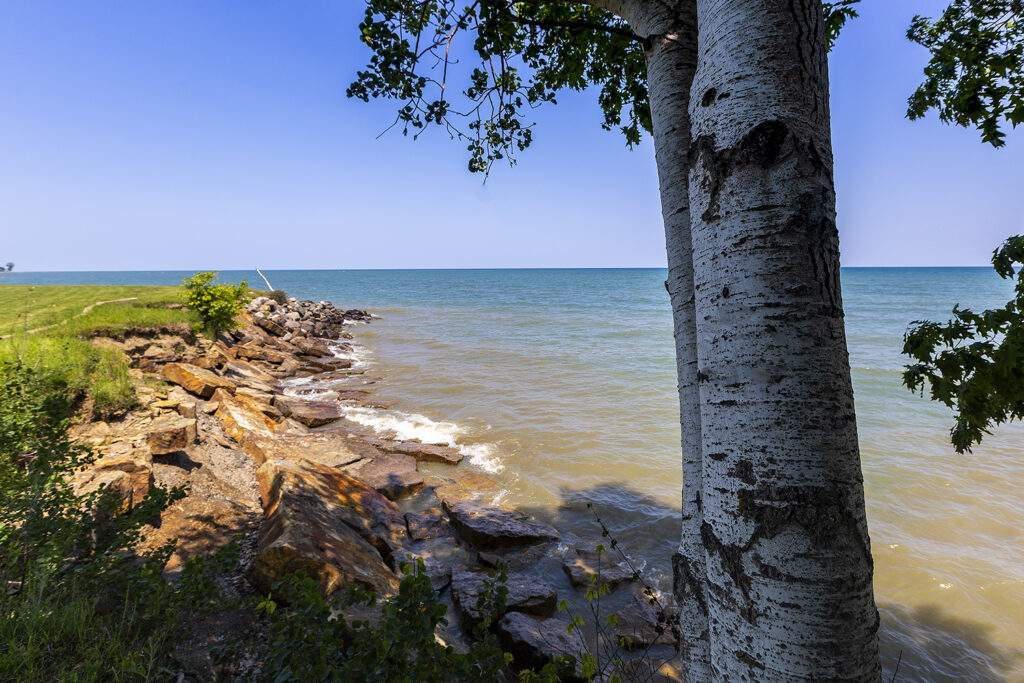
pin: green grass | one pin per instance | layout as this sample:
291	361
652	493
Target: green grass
24	307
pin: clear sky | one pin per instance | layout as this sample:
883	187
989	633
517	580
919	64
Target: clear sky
188	134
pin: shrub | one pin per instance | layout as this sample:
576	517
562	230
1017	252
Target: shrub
216	305
278	296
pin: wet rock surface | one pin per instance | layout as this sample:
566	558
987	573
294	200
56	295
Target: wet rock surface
309	413
488	527
427	524
582	563
534	641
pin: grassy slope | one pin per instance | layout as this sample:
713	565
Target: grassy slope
68	359
30	307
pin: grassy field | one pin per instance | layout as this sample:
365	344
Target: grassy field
24	307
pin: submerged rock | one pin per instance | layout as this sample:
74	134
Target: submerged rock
464	485
421	451
487	527
427	524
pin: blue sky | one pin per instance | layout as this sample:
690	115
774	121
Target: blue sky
188	134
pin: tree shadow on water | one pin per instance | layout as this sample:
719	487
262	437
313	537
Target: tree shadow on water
933	645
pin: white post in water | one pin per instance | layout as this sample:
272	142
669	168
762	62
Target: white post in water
270	288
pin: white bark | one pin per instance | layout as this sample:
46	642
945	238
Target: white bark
788	560
671	63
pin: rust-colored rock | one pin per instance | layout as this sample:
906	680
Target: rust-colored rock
311	346
241	417
328	449
487	527
327	524
270	326
309	413
171	434
254	352
242	370
195	379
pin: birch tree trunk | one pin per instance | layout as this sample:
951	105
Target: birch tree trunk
671	63
788	559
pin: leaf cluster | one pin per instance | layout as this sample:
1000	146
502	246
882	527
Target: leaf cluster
975	76
216	304
313	638
974	363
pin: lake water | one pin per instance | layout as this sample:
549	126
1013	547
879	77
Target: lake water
561	384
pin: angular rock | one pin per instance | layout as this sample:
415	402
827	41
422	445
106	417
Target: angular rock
196	380
344	499
487	527
309	413
526	594
427	524
202	523
171	434
244	370
326	363
533	641
270	326
241	417
253	352
324	449
421	451
394	476
309	509
580	564
187	409
312	346
439	572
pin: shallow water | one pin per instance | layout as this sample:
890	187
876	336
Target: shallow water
561	384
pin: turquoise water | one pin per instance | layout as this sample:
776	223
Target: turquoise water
561	384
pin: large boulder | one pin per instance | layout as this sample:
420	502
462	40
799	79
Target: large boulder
243	370
171	434
270	326
258	352
643	622
242	417
328	449
534	641
196	380
345	499
394	476
526	594
319	521
309	413
487	527
311	346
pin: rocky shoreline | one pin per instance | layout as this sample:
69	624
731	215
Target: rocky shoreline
304	488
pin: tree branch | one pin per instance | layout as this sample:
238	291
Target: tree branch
574	25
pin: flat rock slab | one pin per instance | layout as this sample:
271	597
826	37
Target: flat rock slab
130	476
331	450
534	641
310	510
421	451
580	564
326	363
394	476
526	594
242	417
196	380
427	524
171	434
465	485
311	346
244	370
309	413
270	326
438	571
257	352
487	527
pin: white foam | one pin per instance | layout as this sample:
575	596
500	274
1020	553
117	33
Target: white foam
413	426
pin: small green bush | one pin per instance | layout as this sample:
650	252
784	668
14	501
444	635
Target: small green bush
278	296
216	305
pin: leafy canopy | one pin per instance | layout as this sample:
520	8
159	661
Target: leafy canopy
507	58
974	363
976	73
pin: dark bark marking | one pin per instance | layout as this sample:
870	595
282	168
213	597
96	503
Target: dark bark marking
709	98
744	471
725	292
685	582
718	457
